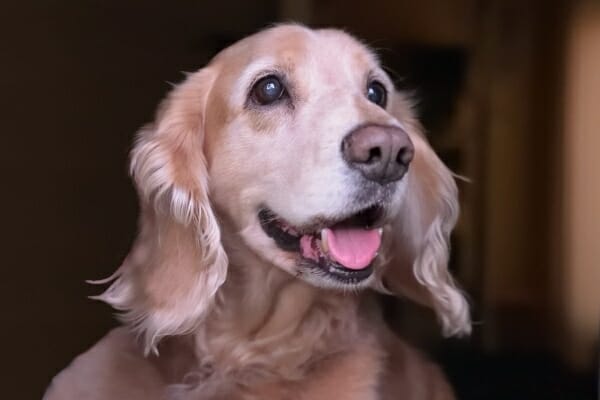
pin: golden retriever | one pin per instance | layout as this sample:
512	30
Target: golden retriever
281	186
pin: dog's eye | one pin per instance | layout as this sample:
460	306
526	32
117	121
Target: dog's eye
267	90
377	94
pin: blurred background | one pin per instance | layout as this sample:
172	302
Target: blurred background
508	90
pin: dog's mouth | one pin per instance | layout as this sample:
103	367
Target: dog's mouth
344	249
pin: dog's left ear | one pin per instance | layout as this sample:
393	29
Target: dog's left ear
418	266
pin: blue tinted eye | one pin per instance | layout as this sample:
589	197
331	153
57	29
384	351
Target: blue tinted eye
376	93
267	90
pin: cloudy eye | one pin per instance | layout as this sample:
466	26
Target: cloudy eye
267	90
376	93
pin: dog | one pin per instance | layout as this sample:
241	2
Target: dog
281	187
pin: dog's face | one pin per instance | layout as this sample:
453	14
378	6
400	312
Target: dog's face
304	156
294	144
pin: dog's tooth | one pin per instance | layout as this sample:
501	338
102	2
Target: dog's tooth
324	244
380	231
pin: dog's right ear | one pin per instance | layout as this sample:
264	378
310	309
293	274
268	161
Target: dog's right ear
418	263
169	280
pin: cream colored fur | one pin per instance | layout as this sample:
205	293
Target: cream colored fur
220	311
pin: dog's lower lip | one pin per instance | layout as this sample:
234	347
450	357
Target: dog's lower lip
339	272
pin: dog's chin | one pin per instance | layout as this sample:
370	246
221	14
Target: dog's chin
338	253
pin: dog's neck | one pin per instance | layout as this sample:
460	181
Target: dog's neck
269	322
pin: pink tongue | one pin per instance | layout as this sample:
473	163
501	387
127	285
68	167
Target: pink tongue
354	248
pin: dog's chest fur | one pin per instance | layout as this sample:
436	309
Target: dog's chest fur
279	342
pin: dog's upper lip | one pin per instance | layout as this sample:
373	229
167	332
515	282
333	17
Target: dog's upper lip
370	217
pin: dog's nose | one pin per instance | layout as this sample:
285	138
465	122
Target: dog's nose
381	153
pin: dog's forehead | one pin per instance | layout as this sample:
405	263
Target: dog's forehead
297	50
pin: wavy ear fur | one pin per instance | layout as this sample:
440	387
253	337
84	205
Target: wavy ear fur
169	280
418	269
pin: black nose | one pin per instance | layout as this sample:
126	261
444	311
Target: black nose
381	153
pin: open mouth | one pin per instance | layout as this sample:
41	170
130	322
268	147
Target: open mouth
343	249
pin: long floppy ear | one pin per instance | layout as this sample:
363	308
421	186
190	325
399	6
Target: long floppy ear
168	281
418	268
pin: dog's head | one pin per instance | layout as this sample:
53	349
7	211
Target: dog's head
295	142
